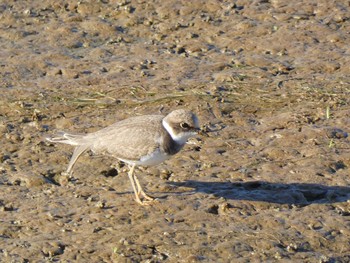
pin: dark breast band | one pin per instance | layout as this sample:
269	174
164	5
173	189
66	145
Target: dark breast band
169	145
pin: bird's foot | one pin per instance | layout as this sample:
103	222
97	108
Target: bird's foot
144	199
145	202
145	196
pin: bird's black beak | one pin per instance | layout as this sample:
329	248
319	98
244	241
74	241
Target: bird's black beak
201	132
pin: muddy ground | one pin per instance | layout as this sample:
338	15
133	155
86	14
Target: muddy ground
270	82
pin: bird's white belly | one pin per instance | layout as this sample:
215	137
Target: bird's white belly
154	158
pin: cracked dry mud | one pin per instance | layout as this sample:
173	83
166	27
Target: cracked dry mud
269	81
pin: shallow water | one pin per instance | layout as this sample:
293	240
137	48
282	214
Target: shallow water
269	81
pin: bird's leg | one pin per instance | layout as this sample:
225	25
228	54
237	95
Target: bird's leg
131	177
137	187
140	190
67	175
79	150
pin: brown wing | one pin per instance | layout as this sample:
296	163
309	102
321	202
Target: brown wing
129	139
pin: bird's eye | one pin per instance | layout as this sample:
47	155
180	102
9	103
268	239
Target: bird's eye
185	125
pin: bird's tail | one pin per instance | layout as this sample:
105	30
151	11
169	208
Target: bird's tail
71	139
67	138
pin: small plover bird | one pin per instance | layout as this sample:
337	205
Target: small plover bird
137	141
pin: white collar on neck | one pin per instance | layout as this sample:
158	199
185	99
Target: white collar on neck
180	138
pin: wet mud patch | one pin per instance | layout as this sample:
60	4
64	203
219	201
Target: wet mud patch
269	81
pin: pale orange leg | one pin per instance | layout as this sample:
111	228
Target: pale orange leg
140	191
137	188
